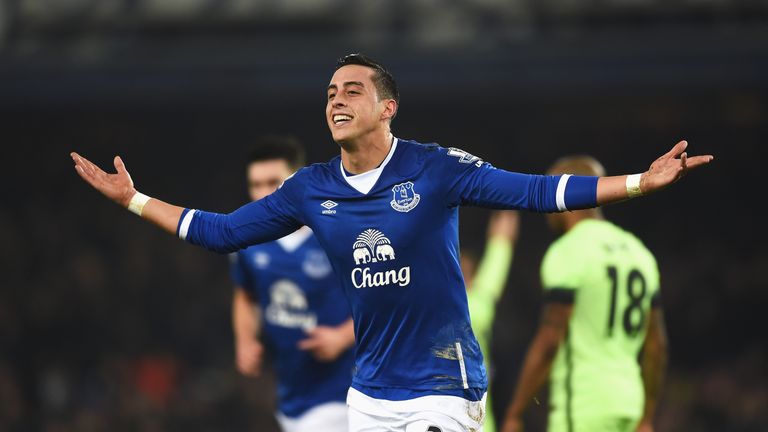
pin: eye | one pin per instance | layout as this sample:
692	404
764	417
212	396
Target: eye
331	95
353	92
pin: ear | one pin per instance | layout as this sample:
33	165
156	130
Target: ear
390	109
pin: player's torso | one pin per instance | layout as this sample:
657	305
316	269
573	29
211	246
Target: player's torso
395	251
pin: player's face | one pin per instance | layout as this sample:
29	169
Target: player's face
353	108
264	177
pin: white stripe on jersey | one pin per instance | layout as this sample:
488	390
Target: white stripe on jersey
460	356
185	224
560	194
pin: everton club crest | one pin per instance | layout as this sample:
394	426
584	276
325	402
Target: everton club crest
404	198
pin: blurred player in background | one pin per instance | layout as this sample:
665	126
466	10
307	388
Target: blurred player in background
485	280
601	309
286	290
386	213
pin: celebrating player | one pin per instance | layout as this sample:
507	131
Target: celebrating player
386	213
601	308
288	288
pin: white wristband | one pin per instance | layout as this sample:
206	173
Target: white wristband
138	202
633	185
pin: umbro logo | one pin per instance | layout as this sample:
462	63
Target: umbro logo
329	205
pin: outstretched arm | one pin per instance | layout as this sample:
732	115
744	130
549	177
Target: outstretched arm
473	182
538	362
119	188
260	221
664	171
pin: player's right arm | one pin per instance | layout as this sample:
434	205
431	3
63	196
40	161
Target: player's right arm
246	324
653	366
257	222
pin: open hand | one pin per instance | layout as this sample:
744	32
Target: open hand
670	167
118	187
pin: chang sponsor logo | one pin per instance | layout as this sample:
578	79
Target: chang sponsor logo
370	247
288	307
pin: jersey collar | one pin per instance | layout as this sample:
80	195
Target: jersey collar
364	182
292	241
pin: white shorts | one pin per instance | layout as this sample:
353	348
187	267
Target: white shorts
423	414
327	417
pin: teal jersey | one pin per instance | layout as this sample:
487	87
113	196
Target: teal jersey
611	278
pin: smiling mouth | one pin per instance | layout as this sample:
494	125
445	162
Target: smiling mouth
340	119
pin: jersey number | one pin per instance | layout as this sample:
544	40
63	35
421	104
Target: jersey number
634	315
465	157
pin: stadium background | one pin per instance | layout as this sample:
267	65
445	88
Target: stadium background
108	324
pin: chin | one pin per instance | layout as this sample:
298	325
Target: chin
341	136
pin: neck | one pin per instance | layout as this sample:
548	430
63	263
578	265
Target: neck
577	216
367	152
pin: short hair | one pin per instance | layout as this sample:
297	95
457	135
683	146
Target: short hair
385	83
277	147
578	165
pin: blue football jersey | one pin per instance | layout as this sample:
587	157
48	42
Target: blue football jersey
392	238
293	283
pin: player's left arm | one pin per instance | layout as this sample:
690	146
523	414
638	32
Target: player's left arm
653	366
327	343
667	169
474	182
538	361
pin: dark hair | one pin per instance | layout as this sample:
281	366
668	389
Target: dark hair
277	147
385	83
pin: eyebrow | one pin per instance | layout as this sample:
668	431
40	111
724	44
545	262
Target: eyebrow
346	84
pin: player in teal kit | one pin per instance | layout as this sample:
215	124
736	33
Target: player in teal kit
386	213
601	295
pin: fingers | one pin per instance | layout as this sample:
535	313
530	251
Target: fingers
83	169
697	161
88	167
676	150
309	344
119	165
